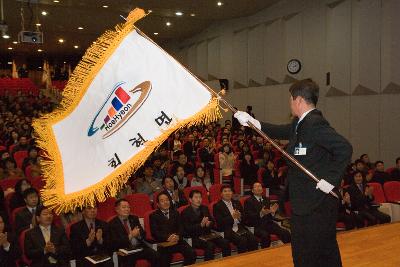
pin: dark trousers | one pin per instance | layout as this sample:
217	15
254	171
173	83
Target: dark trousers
314	237
182	247
266	229
374	216
209	247
244	242
351	220
85	263
146	254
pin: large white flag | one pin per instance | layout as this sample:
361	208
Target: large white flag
122	101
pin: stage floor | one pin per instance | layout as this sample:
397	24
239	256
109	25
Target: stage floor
377	246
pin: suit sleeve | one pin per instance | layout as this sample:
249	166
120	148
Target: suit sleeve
274	131
78	240
250	213
188	225
137	223
155	230
63	250
223	219
31	251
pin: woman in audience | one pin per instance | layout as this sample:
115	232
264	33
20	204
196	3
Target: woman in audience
8	249
176	143
248	170
148	184
226	163
201	178
17	200
31	160
11	170
180	178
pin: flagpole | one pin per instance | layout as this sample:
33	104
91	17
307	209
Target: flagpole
252	126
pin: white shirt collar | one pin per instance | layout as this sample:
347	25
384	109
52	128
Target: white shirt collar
44	228
227	202
304	115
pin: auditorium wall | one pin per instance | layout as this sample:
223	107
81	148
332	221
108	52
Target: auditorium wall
356	41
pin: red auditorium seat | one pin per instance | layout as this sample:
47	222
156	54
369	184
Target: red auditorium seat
378	193
19	157
106	209
38	183
203	191
8	183
13	215
392	191
215	192
21	242
140	204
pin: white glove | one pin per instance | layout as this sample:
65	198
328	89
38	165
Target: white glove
324	186
244	117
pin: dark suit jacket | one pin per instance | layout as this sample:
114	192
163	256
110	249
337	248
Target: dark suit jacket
192	221
79	234
252	208
162	227
359	201
34	246
23	220
223	216
118	235
7	258
328	154
182	199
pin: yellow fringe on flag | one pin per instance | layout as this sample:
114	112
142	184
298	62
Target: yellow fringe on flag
52	194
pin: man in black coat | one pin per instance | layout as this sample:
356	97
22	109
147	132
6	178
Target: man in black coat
89	237
166	228
198	223
127	233
228	214
176	197
319	148
258	212
46	244
25	218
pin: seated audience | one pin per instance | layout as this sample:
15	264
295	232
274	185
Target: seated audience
346	214
395	174
8	248
148	184
226	164
248	170
25	218
166	228
228	216
180	178
198	223
11	170
126	232
182	162
176	196
380	176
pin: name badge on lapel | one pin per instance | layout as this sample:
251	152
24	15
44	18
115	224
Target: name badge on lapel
300	150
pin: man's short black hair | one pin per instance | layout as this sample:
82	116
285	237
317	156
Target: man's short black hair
40	209
29	191
116	204
224	187
359	161
307	89
363	155
160	194
379	161
195	191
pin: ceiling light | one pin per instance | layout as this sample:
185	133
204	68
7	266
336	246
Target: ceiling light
192	15
40	50
61	40
105	6
15	42
219	3
156	33
9	62
44	13
80	28
149	10
39	67
10	48
65	62
56	1
178	13
6	36
38	24
76	47
168	23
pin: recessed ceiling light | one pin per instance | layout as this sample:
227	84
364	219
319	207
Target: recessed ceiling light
9	62
156	33
192	15
44	13
39	67
168	23
6	36
61	40
178	13
65	62
219	3
149	10
40	50
105	6
38	24
10	48
15	42
76	46
56	1
80	28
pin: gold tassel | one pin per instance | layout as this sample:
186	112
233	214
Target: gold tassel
98	53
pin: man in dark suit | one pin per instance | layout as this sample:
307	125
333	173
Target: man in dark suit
89	237
258	212
166	228
319	148
25	218
46	245
395	173
198	223
127	233
228	214
346	214
176	197
362	201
